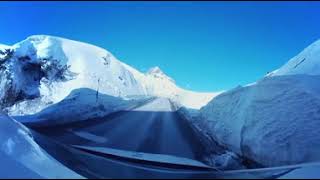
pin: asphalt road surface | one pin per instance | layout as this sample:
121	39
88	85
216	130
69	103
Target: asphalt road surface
151	128
100	148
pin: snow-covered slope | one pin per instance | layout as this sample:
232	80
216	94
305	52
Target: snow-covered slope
49	68
20	151
306	62
275	120
66	65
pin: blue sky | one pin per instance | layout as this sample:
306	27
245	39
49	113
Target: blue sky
204	46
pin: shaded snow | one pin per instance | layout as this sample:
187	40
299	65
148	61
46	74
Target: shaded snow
13	169
272	122
81	104
17	143
218	157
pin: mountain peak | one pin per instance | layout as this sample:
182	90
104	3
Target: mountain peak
158	73
155	70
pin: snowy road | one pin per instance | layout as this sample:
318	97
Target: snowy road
154	127
150	141
154	130
93	165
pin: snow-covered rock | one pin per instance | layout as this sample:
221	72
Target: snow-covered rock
274	120
18	150
49	68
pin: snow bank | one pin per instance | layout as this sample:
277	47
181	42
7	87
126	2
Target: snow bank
13	169
272	122
218	157
80	104
16	143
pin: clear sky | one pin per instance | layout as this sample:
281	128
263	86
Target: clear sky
204	46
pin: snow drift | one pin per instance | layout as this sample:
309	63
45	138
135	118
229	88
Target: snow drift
273	121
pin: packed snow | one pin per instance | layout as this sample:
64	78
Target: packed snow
12	169
273	120
219	157
16	144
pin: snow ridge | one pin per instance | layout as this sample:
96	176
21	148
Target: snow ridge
306	62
